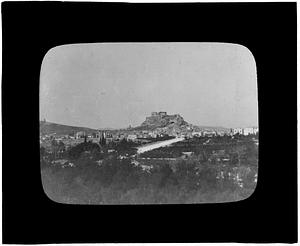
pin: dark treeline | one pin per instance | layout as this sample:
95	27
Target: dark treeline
99	177
118	181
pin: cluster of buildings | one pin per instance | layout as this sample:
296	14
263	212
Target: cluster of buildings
158	114
244	131
145	136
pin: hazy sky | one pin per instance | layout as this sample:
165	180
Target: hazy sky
119	84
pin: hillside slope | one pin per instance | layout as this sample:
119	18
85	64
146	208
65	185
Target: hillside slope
49	128
164	121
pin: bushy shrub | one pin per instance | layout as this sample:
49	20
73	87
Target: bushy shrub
75	152
119	182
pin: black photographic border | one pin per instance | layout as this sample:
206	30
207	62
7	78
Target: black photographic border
268	30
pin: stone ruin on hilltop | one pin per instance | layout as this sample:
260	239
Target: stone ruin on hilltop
162	119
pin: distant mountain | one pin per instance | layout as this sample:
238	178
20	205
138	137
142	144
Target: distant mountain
107	129
50	128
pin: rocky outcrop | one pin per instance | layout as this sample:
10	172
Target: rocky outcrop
161	119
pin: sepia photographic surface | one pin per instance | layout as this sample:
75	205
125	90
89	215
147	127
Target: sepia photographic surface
148	123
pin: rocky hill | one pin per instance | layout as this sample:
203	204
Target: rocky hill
162	119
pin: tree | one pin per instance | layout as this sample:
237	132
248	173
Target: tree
234	159
61	148
75	152
54	147
42	151
186	174
42	155
102	141
250	156
166	172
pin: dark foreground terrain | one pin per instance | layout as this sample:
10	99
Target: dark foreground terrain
89	174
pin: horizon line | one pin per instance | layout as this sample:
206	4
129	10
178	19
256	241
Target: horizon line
123	128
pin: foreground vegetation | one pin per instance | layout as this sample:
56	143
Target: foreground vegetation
96	177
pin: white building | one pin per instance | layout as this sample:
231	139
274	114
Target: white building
255	130
245	131
79	134
237	131
248	130
132	137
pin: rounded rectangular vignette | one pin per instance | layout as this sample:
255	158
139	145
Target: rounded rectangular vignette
149	123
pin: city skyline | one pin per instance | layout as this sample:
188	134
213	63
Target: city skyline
117	85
